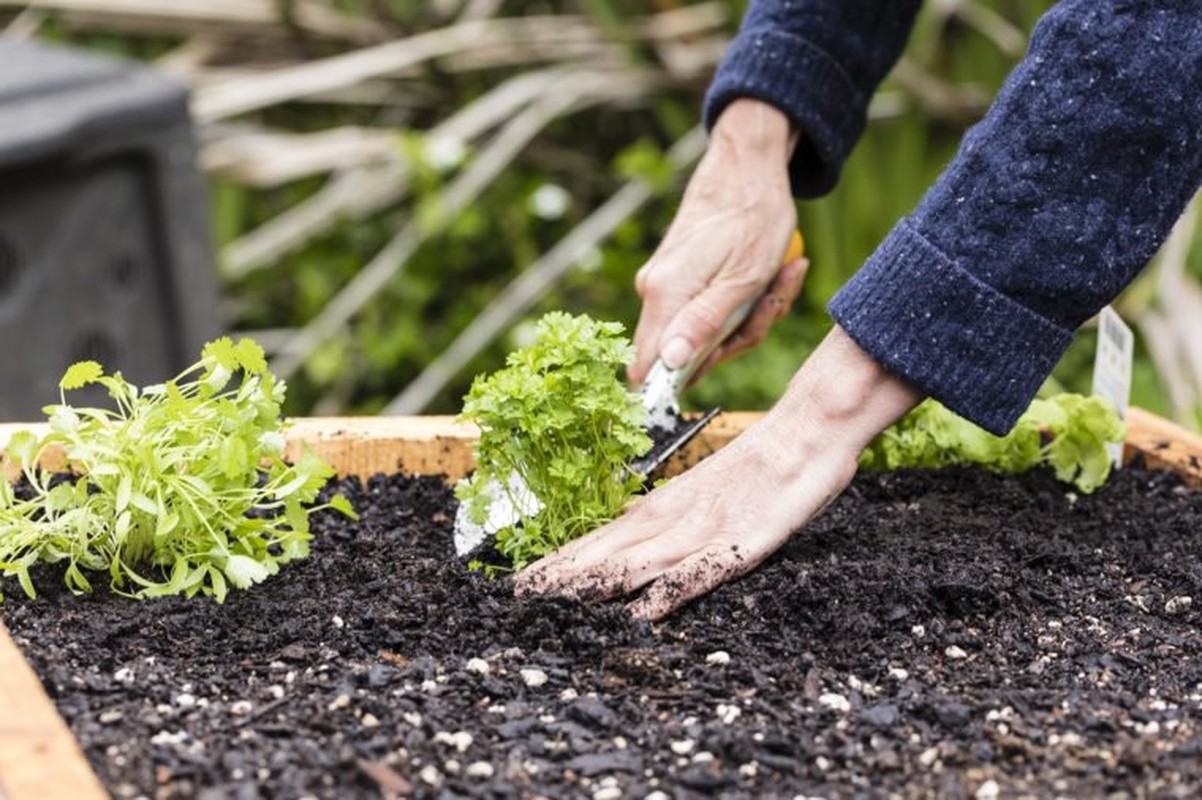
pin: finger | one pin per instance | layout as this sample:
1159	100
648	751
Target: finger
629	569
617	556
789	281
766	312
568	565
674	299
582	578
661	302
699	323
694	577
771	308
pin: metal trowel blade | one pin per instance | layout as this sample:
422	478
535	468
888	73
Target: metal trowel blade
667	446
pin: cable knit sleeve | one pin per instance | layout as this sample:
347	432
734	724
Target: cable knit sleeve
1055	201
818	61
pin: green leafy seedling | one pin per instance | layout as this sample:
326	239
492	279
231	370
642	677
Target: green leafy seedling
180	489
1068	432
559	417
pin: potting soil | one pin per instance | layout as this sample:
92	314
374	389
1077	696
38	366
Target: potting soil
955	633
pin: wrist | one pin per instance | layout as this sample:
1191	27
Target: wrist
841	398
750	129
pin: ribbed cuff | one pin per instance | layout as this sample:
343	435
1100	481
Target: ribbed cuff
946	333
808	86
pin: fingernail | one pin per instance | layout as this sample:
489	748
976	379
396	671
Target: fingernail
676	353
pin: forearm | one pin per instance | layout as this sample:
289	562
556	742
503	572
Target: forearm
819	62
1053	204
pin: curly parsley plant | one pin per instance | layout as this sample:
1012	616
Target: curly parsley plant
559	418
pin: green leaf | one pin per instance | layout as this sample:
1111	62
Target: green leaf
76	581
250	356
23	448
80	374
221	352
243	571
170	480
559	417
217	582
233	457
64	420
165	523
1079	428
143	503
343	506
26	582
125	487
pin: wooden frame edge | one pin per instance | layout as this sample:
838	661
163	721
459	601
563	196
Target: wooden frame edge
1164	445
39	757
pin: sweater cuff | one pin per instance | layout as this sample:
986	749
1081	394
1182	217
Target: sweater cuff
946	333
809	87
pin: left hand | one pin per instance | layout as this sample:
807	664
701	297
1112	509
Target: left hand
701	529
730	512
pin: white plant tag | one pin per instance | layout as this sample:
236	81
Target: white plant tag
507	506
1112	367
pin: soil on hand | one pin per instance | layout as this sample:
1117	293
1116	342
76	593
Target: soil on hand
949	633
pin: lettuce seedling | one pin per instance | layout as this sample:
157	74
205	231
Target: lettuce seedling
560	419
1067	432
182	488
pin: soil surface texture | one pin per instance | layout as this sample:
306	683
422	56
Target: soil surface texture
955	634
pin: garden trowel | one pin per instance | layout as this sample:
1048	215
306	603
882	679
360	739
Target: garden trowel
668	428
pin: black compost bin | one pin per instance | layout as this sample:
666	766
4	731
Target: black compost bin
105	248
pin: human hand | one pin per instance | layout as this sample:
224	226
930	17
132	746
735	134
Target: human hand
725	247
733	510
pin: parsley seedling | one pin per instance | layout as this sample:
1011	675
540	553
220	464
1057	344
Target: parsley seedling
181	489
559	418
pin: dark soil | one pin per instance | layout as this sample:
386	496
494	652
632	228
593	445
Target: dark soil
953	634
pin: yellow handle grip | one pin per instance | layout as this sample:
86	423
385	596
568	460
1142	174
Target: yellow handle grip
797	247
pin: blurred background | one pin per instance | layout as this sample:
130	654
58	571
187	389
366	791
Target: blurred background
393	191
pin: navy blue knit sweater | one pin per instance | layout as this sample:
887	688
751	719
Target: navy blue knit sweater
1054	202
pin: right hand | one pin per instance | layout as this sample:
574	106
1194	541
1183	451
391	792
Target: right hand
725	247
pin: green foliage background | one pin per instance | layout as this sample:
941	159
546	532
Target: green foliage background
589	154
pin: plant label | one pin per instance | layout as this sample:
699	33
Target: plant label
1112	368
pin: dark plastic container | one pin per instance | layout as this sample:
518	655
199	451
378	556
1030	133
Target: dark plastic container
105	249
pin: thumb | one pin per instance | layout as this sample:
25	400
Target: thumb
698	326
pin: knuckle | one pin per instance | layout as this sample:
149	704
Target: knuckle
657	282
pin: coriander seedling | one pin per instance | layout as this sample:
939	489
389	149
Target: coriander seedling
180	489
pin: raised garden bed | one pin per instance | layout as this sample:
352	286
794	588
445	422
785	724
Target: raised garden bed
933	633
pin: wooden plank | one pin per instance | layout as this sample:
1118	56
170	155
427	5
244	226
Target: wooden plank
365	446
1164	445
436	445
39	759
